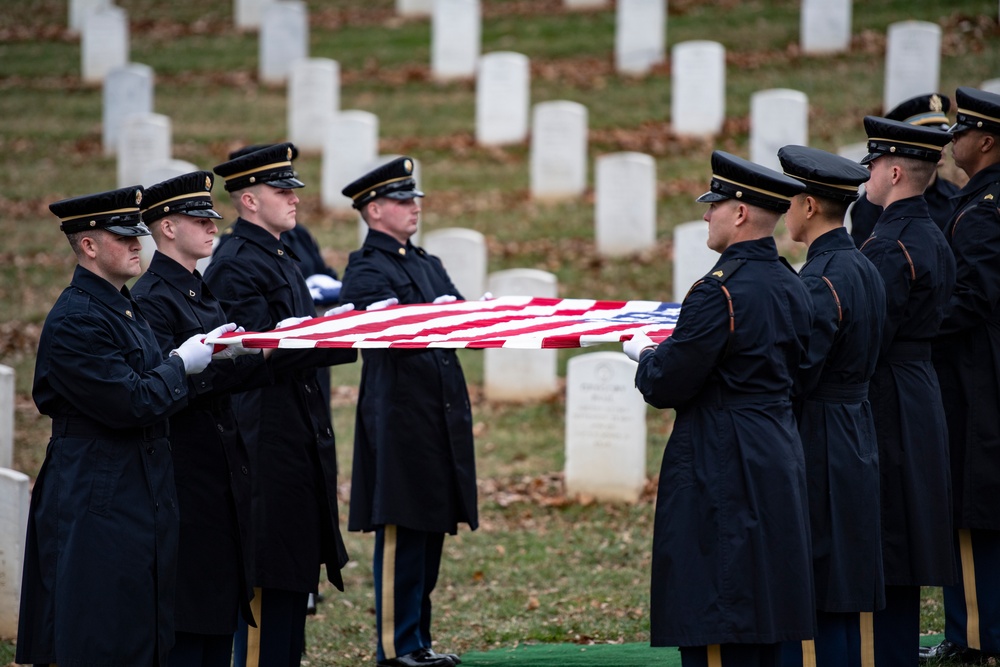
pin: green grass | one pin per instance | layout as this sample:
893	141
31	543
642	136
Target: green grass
540	568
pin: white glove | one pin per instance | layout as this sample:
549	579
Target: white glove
195	354
291	322
384	303
339	310
323	288
236	349
487	296
445	298
634	347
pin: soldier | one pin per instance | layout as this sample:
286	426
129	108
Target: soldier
967	358
211	465
918	270
834	415
286	425
927	111
414	476
732	573
101	551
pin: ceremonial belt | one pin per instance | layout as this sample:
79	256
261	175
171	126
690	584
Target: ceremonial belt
835	392
907	351
721	395
76	427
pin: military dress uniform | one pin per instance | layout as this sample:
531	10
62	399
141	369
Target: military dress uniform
927	111
967	358
414	473
731	554
211	464
918	271
285	425
101	548
836	422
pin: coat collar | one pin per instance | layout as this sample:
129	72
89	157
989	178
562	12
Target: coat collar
178	277
261	237
763	248
835	239
980	180
911	207
99	288
383	241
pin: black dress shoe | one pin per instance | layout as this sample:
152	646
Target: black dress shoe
948	652
422	657
455	660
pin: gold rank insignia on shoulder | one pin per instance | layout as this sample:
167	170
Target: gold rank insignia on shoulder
717	274
988	198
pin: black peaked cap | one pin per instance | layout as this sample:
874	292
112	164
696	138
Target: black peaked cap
824	174
271	166
892	137
190	194
977	110
116	211
736	178
393	179
931	109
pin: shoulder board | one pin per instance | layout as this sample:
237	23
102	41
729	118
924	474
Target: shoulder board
991	196
227	231
723	272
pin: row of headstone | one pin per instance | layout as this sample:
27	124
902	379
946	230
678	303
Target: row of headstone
14	488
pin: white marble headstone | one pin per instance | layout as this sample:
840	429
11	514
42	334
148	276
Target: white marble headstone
692	256
79	10
284	38
313	96
558	150
350	147
778	117
104	43
414	7
127	90
520	375
854	151
697	88
464	255
503	90
605	428
640	35
584	4
625	203
912	61
246	13
6	417
143	139
825	26
991	86
456	39
14	498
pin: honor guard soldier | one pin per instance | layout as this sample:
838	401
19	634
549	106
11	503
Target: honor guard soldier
286	425
834	415
967	358
731	569
101	549
929	111
918	270
414	475
211	464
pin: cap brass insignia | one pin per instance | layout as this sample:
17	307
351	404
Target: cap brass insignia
253	179
408	166
208	182
717	274
371	194
166	209
289	152
936	103
739	194
93	223
892	149
138	197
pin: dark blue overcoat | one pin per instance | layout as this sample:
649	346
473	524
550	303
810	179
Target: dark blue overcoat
837	426
101	550
731	551
918	270
414	462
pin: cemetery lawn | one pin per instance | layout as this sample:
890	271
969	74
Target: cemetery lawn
540	568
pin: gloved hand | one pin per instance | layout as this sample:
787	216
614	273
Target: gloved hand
634	347
487	296
291	322
234	350
384	303
323	288
195	354
445	298
339	310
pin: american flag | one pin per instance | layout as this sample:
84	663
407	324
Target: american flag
511	322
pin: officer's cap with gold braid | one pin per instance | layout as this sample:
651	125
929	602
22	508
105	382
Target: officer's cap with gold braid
190	194
116	211
977	110
892	137
393	180
824	174
931	109
750	183
271	166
